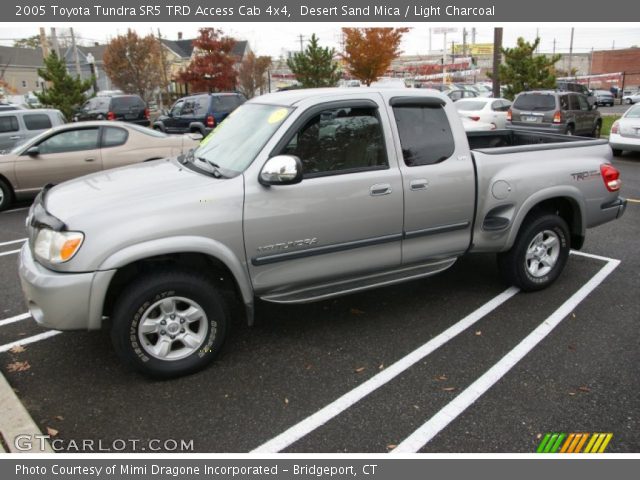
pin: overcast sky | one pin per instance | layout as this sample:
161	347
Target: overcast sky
275	38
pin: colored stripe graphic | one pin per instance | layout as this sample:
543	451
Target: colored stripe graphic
573	442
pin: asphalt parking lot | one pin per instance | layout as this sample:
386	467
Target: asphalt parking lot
446	364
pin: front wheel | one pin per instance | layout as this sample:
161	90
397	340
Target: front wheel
5	195
538	255
170	323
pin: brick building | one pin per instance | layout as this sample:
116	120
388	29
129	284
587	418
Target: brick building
624	60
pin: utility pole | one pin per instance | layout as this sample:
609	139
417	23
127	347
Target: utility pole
554	46
76	60
165	67
464	42
44	43
571	53
497	55
429	40
301	39
54	42
473	36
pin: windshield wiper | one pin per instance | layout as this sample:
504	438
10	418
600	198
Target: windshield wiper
216	168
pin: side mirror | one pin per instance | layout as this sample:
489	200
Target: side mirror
33	151
281	170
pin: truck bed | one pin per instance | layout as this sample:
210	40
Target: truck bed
512	141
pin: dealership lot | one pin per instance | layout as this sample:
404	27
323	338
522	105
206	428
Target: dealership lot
363	373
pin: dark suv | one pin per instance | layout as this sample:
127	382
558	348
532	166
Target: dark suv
125	108
554	112
199	112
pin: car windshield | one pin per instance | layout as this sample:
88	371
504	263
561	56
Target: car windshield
533	101
469	105
236	141
147	131
634	112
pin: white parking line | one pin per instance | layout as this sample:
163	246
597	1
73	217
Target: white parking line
20	240
10	252
453	409
338	406
16	210
28	340
17	318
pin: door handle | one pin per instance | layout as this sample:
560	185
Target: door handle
15	137
89	159
380	189
419	184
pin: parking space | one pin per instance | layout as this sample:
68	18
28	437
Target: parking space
364	373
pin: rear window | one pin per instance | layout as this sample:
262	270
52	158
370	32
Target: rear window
469	105
8	124
125	103
634	112
228	102
37	121
535	102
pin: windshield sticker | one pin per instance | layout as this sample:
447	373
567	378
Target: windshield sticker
278	116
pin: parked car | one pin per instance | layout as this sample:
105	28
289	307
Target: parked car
625	132
631	98
76	149
199	113
456	95
123	108
484	90
303	196
603	97
476	126
554	112
17	126
575	87
485	109
5	107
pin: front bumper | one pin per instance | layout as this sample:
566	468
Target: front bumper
63	301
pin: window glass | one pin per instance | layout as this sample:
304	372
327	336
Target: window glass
535	102
177	108
425	134
455	95
8	124
228	103
202	105
470	105
97	103
37	121
497	106
113	136
582	102
573	102
126	103
189	108
70	141
338	140
564	102
147	131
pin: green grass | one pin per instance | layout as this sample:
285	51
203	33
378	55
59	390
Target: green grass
607	122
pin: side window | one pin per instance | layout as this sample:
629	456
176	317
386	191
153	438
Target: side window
70	141
37	121
189	108
340	140
582	101
202	105
113	137
455	95
497	106
177	108
564	102
228	103
8	124
425	134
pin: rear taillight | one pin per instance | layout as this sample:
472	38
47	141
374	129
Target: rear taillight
509	114
211	121
111	116
475	119
557	117
146	113
615	128
611	177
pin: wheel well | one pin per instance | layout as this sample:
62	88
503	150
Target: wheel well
154	158
566	208
6	181
213	268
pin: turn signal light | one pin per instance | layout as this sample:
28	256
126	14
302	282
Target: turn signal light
509	114
111	116
211	121
557	117
615	128
611	177
69	248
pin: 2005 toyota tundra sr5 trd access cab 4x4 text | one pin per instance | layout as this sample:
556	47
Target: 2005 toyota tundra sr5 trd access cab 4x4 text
300	196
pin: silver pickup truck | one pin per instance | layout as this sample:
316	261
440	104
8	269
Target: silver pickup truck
301	196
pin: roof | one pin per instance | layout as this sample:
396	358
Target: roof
16	56
184	47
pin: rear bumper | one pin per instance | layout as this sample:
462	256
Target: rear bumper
624	143
558	129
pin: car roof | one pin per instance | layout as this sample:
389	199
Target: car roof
22	111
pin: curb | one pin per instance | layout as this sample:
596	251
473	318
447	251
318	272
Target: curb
15	420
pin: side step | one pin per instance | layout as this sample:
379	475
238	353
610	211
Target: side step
344	287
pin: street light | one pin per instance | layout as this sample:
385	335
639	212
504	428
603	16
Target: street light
92	65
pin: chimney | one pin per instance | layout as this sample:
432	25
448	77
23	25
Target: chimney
179	35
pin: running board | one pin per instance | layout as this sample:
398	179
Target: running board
345	287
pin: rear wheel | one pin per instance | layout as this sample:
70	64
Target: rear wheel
597	130
6	195
538	255
570	130
169	323
616	152
628	101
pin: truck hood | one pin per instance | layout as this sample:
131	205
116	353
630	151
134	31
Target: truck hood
133	189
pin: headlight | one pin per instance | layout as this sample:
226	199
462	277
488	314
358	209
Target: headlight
57	247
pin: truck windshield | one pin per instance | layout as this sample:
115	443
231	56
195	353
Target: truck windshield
236	141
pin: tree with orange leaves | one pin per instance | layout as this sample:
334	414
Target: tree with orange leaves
211	68
368	52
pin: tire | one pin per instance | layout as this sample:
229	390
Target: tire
6	195
541	237
616	152
597	130
570	131
172	306
628	101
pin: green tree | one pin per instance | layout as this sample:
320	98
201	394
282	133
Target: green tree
64	91
315	66
523	70
29	42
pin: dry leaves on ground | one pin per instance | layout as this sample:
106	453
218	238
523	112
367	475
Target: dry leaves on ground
18	366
